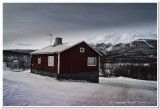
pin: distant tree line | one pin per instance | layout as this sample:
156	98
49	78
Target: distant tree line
137	72
129	69
20	59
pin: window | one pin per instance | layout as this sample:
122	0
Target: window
50	60
91	61
81	49
39	60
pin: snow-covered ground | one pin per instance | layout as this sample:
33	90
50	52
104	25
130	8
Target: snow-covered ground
27	89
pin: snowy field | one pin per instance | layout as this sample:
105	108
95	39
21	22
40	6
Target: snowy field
21	88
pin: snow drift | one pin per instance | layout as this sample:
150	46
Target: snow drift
27	89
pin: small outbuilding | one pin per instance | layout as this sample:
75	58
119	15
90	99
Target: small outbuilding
78	62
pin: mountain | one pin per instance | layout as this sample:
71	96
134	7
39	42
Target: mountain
24	51
117	38
141	51
129	55
131	47
110	42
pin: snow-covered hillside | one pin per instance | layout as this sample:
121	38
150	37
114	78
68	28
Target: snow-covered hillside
27	89
117	38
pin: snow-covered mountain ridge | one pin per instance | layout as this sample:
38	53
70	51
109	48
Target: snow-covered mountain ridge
117	38
145	45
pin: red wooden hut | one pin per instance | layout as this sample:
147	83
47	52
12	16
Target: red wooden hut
79	61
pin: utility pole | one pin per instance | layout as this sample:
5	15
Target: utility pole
51	38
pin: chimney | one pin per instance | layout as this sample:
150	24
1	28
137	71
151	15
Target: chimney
58	41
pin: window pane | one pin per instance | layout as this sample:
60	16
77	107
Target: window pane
91	61
88	61
50	60
94	61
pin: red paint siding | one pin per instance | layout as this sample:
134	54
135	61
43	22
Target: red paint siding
72	60
44	63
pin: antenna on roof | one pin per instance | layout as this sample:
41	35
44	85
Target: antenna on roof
51	38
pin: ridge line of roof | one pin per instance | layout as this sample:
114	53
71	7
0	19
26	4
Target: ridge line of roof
79	43
38	51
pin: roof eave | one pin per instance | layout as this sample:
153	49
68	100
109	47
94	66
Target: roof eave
43	53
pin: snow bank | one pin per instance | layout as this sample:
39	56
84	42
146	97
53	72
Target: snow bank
27	89
5	68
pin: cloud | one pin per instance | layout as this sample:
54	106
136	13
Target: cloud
30	22
23	43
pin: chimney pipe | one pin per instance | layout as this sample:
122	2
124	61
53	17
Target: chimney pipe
58	41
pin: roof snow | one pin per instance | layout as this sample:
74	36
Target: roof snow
51	49
58	48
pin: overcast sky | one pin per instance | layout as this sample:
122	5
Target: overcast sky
26	25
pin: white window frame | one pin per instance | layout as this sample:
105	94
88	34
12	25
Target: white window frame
82	49
92	61
39	60
50	60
